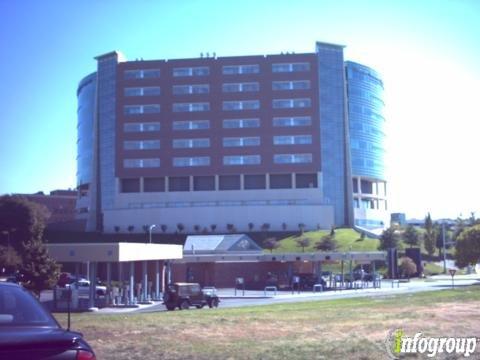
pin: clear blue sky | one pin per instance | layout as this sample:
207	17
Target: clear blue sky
428	53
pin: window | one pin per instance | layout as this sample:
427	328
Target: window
241	105
242	160
291	85
179	183
190	107
141	127
291	103
141	91
141	163
129	185
141	109
141	144
280	181
292	121
292	158
191	71
191	125
190	143
203	183
241	141
292	140
251	182
142	74
240	69
304	181
229	182
156	184
241	123
191	89
241	87
291	67
191	161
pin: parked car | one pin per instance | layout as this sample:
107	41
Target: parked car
29	331
185	295
83	284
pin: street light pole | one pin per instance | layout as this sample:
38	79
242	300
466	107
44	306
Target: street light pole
444	249
150	232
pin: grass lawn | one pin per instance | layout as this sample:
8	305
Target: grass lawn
340	329
345	238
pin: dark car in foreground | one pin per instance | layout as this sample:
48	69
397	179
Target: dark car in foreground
29	331
184	295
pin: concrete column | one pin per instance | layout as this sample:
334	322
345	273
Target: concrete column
132	280
141	184
92	279
318	270
359	185
157	279
294	181
242	182
166	183
190	185
145	280
88	270
109	282
217	183
164	274
267	181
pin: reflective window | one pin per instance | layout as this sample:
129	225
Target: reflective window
292	158
241	123
141	127
141	109
141	144
241	141
290	67
292	121
292	140
240	69
241	105
291	85
191	89
191	71
141	74
141	91
242	160
191	161
141	163
291	103
241	87
191	107
190	143
191	125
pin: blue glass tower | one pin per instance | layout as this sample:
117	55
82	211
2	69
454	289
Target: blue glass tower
367	150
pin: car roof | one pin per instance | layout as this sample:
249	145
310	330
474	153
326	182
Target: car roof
183	283
7	283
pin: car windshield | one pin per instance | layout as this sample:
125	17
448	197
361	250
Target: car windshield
19	308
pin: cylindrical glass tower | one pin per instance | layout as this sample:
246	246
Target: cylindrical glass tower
367	149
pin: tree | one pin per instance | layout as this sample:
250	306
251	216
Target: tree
429	237
271	244
251	226
467	249
388	239
265	226
303	242
164	228
231	228
116	228
284	226
197	228
130	228
332	231
10	260
180	227
410	236
407	267
439	236
39	271
36	268
326	243
213	227
145	229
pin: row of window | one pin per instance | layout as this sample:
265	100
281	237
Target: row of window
225	182
226	106
293	121
227	160
226	70
227	142
226	88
